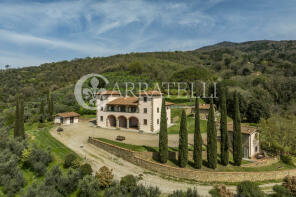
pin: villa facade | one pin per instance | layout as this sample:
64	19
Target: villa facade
140	112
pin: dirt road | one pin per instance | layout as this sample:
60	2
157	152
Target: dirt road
75	137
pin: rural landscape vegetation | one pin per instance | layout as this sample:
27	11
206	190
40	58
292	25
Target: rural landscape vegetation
256	85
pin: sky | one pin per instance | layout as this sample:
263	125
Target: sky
33	32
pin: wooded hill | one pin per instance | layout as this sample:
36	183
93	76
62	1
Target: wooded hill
262	72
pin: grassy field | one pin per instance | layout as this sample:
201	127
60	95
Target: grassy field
190	123
44	140
182	100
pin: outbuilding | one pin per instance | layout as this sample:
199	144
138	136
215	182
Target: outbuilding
66	118
250	140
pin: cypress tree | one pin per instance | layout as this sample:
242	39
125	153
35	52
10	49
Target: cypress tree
17	114
50	106
237	136
41	111
21	119
223	130
163	135
211	139
197	151
183	142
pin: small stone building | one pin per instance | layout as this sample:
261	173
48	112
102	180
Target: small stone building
66	118
250	140
204	110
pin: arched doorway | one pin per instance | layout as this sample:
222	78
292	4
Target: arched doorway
133	123
122	121
112	121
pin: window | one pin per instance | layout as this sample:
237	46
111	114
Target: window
145	110
102	98
101	118
122	108
133	109
145	99
145	121
157	121
158	110
256	149
102	108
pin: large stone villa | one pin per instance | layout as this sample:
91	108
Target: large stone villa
140	112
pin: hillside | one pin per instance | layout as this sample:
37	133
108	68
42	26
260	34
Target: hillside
259	70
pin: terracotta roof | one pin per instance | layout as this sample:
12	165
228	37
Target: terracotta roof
108	92
124	101
169	103
205	106
68	114
150	93
245	129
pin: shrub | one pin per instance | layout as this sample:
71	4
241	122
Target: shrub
39	168
69	182
140	190
85	169
221	191
40	155
104	176
290	184
88	187
280	191
26	154
249	189
70	158
287	159
128	181
115	190
189	193
76	164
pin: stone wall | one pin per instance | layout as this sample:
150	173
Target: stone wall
141	159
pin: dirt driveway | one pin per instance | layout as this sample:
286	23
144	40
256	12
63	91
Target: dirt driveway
87	128
75	137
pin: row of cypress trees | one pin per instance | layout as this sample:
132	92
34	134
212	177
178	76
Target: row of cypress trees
211	136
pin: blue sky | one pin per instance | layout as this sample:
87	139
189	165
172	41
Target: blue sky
35	32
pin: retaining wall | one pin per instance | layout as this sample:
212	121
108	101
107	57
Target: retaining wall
141	160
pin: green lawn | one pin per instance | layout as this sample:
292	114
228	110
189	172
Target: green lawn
190	123
138	148
182	100
43	139
229	168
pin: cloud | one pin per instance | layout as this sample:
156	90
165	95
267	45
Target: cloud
57	30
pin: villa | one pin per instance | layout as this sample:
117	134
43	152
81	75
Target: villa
140	112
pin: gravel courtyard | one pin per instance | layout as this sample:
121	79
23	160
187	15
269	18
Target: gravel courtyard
86	128
75	137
